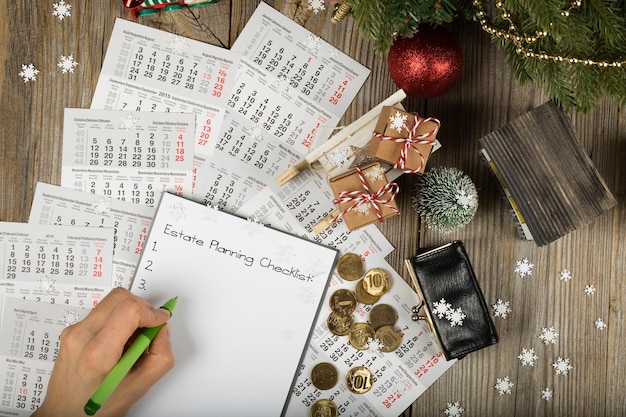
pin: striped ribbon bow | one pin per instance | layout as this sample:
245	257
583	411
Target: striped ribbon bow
412	141
365	196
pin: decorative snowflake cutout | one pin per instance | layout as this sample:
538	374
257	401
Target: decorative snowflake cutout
286	335
129	122
600	324
71	317
61	10
179	44
258	132
67	64
374	344
465	200
456	317
333	53
590	290
566	275
527	357
546	394
454	410
285	254
102	205
524	267
398	121
29	73
282	85
441	308
46	284
316	5
253	227
504	385
338	157
210	214
306	295
501	308
375	173
312	43
178	211
562	366
363	209
548	335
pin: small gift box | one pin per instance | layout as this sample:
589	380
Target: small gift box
362	196
403	139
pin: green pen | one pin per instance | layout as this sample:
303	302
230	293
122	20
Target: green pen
128	359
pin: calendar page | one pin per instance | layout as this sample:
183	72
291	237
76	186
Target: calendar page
148	69
30	334
130	221
248	296
128	155
56	264
290	91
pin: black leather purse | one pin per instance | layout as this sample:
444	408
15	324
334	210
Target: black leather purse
454	305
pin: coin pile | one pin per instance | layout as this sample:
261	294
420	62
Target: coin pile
378	332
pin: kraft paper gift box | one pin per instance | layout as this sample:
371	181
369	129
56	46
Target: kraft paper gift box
397	129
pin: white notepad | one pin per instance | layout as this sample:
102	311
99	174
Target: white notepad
248	296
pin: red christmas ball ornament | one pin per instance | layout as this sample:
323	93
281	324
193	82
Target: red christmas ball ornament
426	64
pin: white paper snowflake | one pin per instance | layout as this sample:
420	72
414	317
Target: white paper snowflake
374	344
548	335
71	317
102	205
306	295
333	53
375	173
527	357
316	5
62	10
338	157
546	394
179	44
312	43
210	214
600	324
504	385
454	409
566	275
398	121
590	289
253	227
441	308
285	254
287	335
524	267
456	317
46	284
258	132
562	366
29	73
501	308
363	209
67	64
465	200
129	122
178	211
282	85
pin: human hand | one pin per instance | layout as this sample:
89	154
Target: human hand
91	347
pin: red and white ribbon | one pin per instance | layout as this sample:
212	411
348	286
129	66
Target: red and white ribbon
412	141
365	196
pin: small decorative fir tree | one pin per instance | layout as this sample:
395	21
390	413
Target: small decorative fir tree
445	198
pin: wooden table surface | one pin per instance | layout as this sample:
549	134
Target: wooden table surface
486	97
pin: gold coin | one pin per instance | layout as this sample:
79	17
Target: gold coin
363	296
350	267
359	379
339	324
342	301
324	375
390	337
382	315
323	408
360	336
376	282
